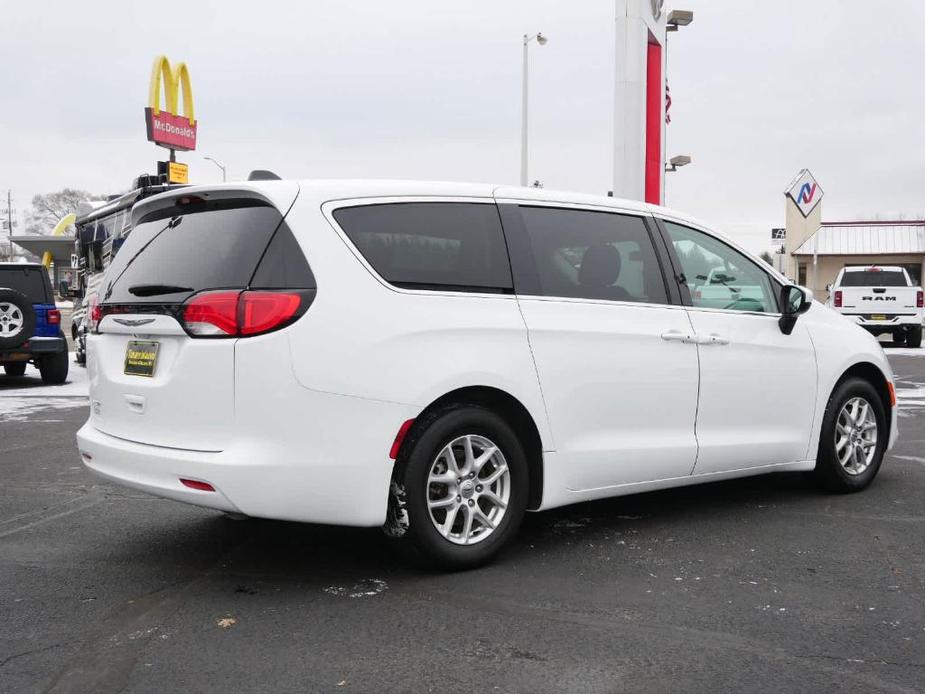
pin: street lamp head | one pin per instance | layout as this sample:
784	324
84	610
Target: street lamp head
680	160
679	18
542	40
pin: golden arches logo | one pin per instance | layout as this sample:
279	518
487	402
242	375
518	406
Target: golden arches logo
173	79
166	127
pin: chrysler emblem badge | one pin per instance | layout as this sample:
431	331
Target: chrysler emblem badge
133	323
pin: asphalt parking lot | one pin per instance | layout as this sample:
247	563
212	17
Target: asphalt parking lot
758	585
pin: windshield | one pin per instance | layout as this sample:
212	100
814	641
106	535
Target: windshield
874	278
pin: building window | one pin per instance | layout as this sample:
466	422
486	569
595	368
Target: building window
801	274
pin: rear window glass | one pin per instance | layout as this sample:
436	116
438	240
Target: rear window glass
177	251
873	278
439	245
32	282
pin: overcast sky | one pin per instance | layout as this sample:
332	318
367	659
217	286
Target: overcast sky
426	89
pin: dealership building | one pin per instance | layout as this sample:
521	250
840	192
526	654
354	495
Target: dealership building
815	251
840	244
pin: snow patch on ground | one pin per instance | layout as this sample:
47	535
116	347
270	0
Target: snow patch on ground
911	397
905	351
22	396
364	589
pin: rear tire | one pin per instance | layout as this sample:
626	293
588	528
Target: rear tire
853	437
460	488
54	368
15	368
914	337
899	338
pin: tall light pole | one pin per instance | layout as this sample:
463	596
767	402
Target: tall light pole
676	19
219	165
541	40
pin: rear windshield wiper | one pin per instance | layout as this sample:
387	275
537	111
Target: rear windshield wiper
157	289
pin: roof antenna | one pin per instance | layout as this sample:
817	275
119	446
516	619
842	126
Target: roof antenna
263	175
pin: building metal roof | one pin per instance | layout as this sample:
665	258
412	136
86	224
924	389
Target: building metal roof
867	238
61	247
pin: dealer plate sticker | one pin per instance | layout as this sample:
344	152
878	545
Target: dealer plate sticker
878	316
141	357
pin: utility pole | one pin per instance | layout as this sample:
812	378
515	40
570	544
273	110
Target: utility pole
9	219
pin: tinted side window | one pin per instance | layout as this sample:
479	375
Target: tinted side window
283	265
718	276
438	245
593	255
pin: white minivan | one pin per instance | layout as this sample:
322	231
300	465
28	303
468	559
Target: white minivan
436	359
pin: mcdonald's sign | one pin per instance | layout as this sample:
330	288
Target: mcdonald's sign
166	127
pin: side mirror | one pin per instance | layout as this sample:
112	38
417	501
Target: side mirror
794	302
828	288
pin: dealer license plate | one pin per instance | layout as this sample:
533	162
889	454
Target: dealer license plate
141	357
878	316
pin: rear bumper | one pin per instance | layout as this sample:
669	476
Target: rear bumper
36	346
887	325
152	469
254	477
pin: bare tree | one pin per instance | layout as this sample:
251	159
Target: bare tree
48	209
766	257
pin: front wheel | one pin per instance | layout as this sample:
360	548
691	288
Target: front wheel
462	487
853	437
15	368
914	337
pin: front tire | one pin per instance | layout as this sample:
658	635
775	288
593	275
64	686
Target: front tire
54	368
15	368
853	437
914	337
462	484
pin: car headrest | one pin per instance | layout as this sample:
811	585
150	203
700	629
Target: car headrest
600	266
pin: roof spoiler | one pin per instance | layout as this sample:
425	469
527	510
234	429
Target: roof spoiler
263	175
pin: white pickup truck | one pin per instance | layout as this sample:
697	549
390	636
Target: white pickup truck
881	299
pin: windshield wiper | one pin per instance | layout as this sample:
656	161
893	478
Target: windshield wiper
157	289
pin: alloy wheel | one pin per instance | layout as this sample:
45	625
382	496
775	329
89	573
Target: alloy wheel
11	319
468	489
856	436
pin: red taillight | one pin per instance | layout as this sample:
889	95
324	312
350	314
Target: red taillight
196	484
400	438
54	316
838	299
232	314
213	314
94	312
263	311
919	299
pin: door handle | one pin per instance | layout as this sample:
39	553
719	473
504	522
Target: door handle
675	336
712	339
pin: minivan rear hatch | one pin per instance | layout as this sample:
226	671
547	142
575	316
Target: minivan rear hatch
157	377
